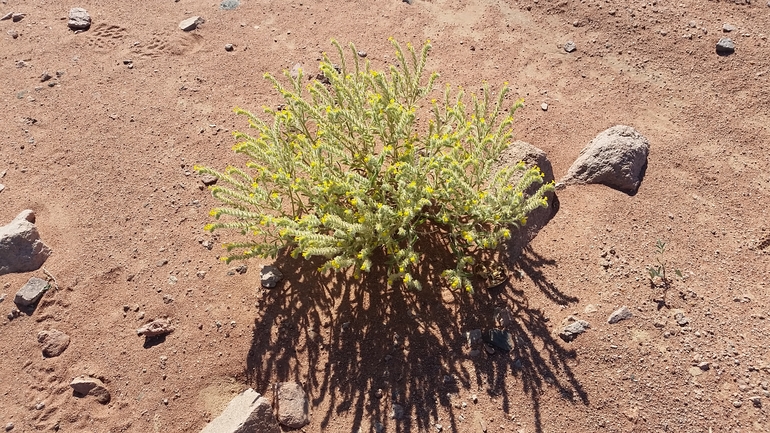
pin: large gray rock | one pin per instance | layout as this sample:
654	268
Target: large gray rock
79	19
21	249
292	405
31	292
616	158
248	412
53	342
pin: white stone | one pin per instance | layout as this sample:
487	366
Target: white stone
248	412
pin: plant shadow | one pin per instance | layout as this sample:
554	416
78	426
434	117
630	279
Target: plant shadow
364	350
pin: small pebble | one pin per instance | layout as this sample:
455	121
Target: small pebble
727	28
569	46
544	106
362	54
9	426
737	403
229	47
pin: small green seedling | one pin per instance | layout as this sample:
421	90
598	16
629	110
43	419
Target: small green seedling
658	276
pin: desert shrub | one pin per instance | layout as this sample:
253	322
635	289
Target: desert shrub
342	171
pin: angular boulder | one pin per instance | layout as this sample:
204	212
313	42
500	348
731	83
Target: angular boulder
248	412
79	19
31	292
21	249
616	158
573	327
292	405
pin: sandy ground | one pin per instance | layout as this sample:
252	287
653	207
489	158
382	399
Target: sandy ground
103	154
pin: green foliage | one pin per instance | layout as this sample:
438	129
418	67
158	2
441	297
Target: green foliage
658	272
341	171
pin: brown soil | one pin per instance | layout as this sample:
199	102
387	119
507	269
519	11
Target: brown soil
104	157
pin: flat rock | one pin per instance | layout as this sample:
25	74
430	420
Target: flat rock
573	328
21	249
725	46
292	405
248	412
6	16
155	328
53	342
79	19
31	292
87	385
616	158
270	276
500	338
569	46
621	313
191	23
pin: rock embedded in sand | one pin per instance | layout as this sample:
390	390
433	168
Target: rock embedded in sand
156	328
53	342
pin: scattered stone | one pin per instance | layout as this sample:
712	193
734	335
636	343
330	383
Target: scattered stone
727	28
79	19
544	106
31	292
503	316
229	47
681	320
240	269
7	16
695	371
162	262
725	47
228	5
378	427
621	313
397	412
155	328
87	385
475	398
616	158
45	77
473	337
270	276
2	187
191	23
21	249
705	366
209	179
756	400
292	405
40	406
570	46
3	296
574	328
9	426
378	393
489	349
13	33
737	403
54	342
362	54
18	16
247	412
590	309
501	339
